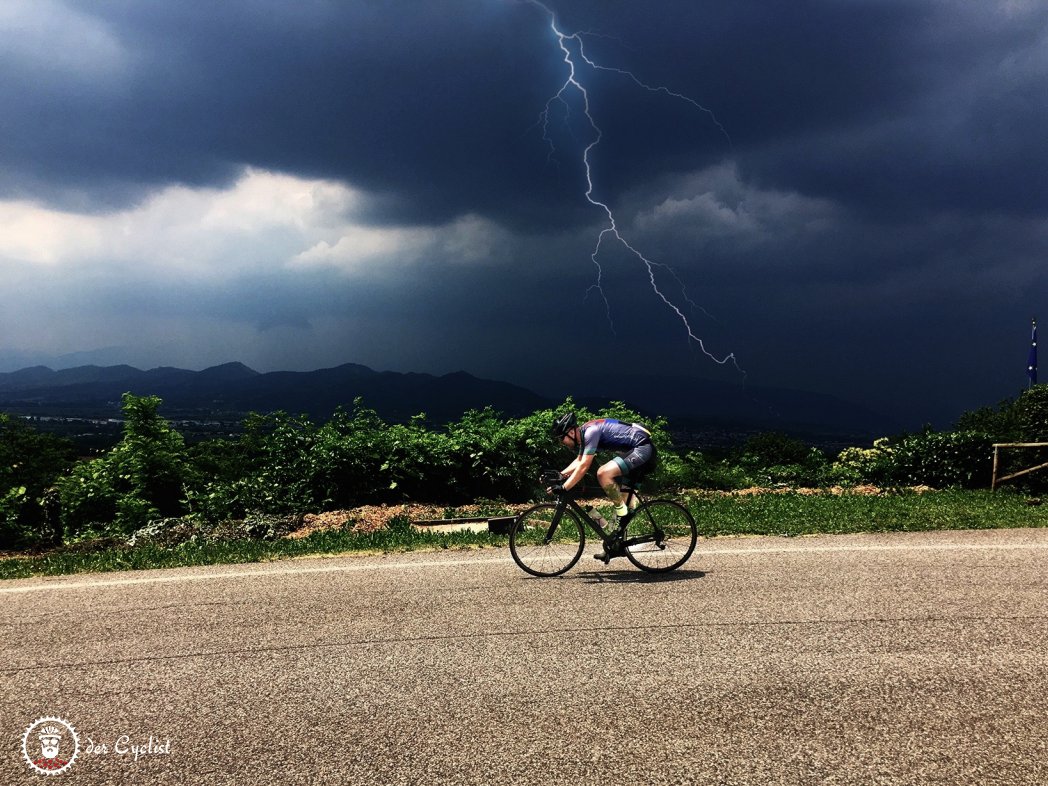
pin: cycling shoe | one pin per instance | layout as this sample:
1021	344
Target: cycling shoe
611	552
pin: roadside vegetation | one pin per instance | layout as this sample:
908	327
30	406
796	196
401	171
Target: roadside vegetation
155	501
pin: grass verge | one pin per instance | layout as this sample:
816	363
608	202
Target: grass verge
759	514
823	514
333	541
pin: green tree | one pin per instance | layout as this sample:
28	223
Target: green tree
30	463
772	448
141	478
1030	414
1023	419
999	422
773	457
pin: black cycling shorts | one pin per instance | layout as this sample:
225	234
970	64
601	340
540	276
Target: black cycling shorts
637	462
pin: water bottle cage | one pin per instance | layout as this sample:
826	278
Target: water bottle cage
599	519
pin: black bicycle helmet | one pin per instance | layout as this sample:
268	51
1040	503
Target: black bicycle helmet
562	425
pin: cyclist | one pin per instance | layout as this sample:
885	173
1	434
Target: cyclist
632	441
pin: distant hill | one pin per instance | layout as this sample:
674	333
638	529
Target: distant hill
695	402
232	390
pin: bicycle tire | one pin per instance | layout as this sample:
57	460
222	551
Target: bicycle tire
543	544
660	536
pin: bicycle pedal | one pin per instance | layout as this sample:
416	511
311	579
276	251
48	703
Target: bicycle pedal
609	554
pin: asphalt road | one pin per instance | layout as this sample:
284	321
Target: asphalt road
879	659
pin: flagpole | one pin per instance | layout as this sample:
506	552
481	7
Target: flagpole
1031	363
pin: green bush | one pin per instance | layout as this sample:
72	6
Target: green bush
1000	422
142	478
11	503
961	459
717	475
770	449
30	462
938	459
956	458
1030	414
284	463
1023	419
772	459
863	465
493	458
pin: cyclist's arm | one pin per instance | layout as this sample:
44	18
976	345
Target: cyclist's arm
577	470
570	468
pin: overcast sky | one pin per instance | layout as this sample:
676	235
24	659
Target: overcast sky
848	196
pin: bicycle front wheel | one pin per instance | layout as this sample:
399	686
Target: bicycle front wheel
547	540
660	536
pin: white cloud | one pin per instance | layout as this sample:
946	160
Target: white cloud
472	239
37	236
353	249
264	222
264	199
715	204
76	281
48	36
356	248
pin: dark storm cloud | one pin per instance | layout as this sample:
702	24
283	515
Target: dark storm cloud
429	104
418	103
432	107
874	174
943	114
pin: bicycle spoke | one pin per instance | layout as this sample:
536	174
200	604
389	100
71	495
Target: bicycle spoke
546	540
660	536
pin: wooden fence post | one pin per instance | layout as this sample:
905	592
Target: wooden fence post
995	480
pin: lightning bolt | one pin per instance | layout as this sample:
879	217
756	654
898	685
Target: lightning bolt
566	42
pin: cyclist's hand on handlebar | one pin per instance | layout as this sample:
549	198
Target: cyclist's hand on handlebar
553	480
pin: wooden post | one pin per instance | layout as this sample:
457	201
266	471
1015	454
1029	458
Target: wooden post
995	480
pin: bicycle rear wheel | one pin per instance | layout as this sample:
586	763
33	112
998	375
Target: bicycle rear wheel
660	536
547	541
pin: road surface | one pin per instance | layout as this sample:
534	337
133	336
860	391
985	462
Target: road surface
869	659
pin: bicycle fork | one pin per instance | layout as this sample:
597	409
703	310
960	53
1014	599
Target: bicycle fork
558	514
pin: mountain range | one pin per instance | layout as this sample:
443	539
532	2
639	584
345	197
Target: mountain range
231	390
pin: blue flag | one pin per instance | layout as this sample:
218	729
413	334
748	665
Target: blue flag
1031	364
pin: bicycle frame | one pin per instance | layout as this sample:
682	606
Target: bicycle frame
563	504
564	501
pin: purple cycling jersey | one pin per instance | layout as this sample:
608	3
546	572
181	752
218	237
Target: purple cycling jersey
610	434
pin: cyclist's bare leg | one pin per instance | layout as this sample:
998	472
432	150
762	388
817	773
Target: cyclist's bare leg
607	476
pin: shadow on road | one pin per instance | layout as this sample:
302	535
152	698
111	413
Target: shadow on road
628	576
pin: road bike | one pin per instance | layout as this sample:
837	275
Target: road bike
657	535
